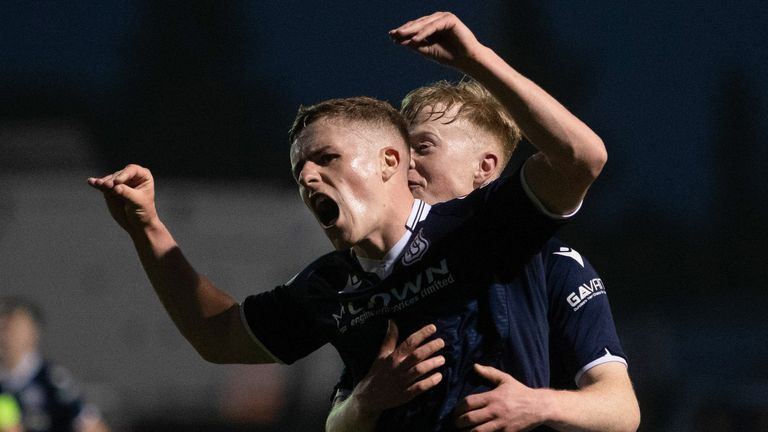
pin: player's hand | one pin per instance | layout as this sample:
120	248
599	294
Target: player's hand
400	372
130	196
511	406
441	37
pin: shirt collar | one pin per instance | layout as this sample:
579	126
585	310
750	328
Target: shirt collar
383	267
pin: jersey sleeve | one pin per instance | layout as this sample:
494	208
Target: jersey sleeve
582	331
285	322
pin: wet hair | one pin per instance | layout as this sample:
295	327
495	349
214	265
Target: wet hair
476	104
355	109
11	304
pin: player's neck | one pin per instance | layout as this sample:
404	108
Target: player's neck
391	230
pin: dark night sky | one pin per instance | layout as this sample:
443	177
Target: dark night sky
653	69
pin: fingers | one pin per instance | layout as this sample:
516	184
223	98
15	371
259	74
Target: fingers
132	175
416	33
472	402
491	374
413	341
474	418
390	339
421	386
428	349
408	30
426	366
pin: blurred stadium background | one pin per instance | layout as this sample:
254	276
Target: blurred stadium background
203	92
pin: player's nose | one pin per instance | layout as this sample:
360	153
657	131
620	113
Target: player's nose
309	174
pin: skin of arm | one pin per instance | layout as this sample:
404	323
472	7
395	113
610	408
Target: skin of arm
206	316
570	156
604	391
399	373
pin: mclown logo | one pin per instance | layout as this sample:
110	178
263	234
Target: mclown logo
586	292
426	283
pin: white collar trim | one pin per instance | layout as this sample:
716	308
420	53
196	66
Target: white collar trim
383	267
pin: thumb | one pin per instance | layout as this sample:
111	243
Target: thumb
492	374
390	339
128	193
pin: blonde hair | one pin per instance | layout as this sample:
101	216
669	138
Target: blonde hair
476	104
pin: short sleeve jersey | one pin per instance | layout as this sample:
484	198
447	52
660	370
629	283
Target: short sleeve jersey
459	250
553	320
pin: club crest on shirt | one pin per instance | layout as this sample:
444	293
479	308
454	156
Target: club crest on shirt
416	249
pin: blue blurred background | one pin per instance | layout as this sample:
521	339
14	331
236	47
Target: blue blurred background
203	92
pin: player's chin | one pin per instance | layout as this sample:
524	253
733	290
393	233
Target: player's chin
417	190
340	239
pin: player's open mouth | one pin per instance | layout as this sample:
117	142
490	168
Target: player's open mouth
326	209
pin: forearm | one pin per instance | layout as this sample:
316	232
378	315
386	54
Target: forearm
601	407
195	305
346	416
564	139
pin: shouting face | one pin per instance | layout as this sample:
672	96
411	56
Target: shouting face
338	166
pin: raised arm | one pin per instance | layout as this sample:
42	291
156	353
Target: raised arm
570	154
206	316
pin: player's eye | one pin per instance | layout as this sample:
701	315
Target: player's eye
326	158
422	147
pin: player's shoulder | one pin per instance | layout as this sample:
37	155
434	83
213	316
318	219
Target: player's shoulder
327	272
557	254
466	205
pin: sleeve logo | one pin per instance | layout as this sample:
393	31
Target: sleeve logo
568	252
585	292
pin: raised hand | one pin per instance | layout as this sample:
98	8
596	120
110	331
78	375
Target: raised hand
400	372
511	406
441	37
130	196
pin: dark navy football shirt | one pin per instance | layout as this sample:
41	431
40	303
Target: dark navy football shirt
463	252
554	323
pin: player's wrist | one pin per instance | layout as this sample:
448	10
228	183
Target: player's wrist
476	60
153	233
551	411
364	408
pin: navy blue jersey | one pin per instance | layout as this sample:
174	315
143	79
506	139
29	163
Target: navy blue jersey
49	401
455	254
553	321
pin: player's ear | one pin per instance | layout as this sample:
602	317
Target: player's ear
390	162
485	171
